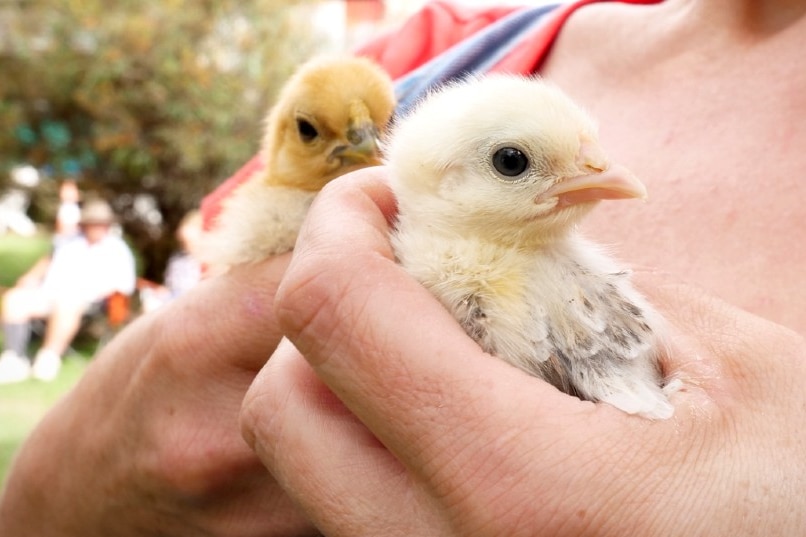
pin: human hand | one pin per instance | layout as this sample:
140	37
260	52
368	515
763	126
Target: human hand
395	423
148	443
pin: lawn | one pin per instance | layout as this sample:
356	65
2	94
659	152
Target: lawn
17	254
22	405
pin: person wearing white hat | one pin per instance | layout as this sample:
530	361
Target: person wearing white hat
60	289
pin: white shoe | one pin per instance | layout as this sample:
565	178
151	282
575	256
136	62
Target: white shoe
13	367
46	365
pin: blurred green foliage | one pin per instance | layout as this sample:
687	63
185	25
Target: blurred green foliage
161	98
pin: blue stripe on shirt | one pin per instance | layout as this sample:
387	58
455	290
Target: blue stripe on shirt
477	54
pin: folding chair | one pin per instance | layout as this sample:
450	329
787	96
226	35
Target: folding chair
101	321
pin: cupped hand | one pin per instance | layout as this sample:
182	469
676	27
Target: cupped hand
389	420
148	443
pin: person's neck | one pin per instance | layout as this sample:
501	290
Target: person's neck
736	19
684	36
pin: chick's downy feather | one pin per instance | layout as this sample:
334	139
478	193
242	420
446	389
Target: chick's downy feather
491	176
325	122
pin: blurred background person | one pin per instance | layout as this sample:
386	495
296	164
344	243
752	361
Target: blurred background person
60	288
15	200
183	271
68	214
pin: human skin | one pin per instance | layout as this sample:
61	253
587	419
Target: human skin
703	100
396	423
148	442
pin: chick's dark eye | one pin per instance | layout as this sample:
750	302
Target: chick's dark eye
306	131
510	162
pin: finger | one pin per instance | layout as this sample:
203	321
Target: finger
227	320
345	481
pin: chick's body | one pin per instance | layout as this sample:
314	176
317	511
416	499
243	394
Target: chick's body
491	175
325	123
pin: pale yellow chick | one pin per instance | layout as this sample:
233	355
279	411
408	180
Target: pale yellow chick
492	176
326	122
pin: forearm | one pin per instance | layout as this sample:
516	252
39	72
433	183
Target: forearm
36	273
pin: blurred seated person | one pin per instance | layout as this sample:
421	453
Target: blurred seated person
183	270
61	288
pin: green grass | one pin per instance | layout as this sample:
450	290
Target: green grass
18	254
23	404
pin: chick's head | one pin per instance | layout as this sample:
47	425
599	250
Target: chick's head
327	121
504	155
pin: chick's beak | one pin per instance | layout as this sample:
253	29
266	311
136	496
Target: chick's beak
362	138
597	180
362	146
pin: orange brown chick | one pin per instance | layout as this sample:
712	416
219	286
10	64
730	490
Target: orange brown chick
326	122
